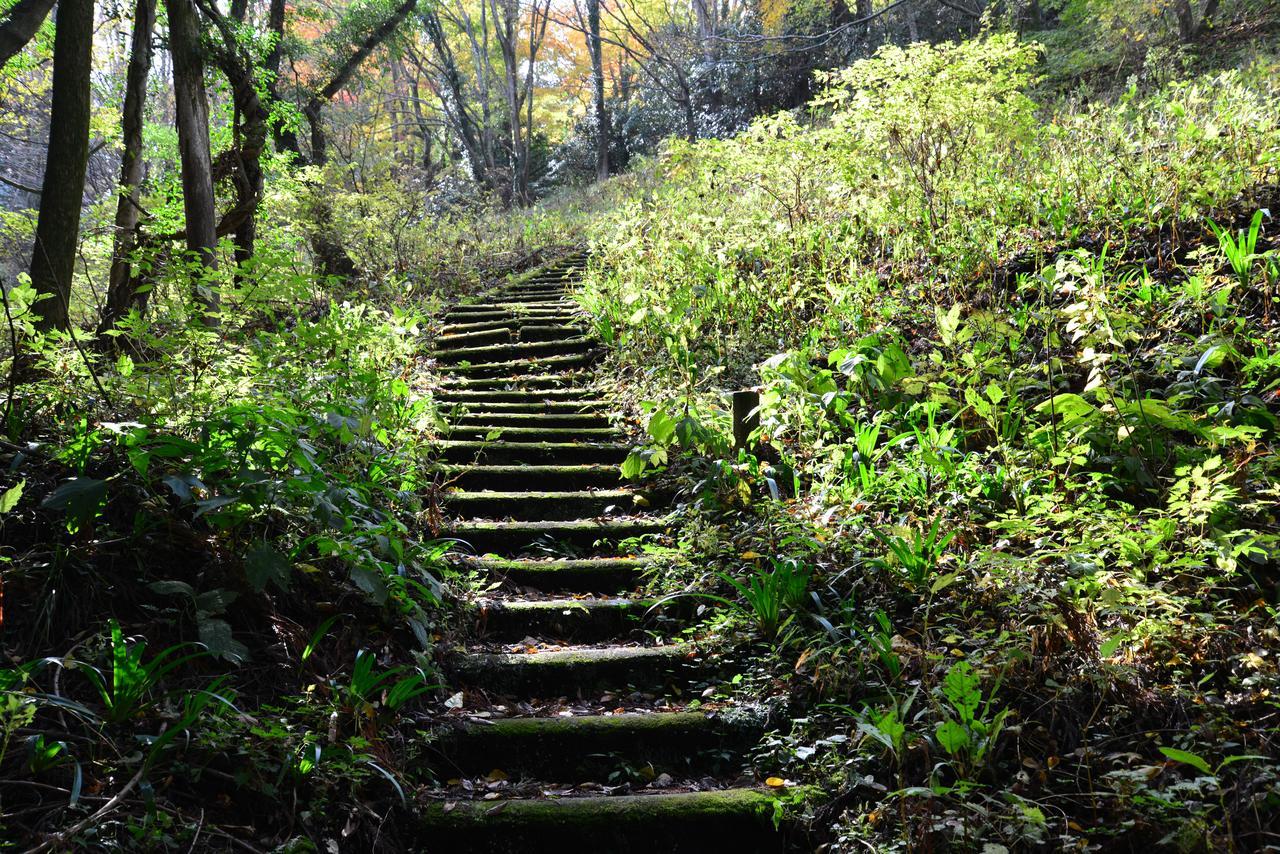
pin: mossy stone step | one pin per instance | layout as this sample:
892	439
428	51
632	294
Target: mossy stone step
530	297
514	306
572	671
475	394
542	506
530	477
511	538
522	366
532	406
487	418
589	747
548	332
514	324
533	453
576	620
497	335
728	821
572	381
516	350
565	575
463	432
507	316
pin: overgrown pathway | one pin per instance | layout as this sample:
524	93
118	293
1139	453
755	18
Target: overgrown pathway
576	729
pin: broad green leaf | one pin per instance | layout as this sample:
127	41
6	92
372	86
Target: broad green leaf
11	495
1187	758
264	565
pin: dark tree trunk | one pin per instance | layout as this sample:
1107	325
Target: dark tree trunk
20	26
193	141
120	291
58	228
597	89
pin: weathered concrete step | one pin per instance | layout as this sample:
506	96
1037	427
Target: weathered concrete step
532	406
549	332
487	392
576	620
727	820
723	821
515	324
533	453
540	297
534	434
522	366
454	320
517	350
513	306
475	338
591	747
543	506
572	575
572	671
530	477
528	383
511	538
486	417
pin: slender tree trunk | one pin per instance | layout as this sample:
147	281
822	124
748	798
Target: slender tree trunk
193	141
20	26
120	295
58	228
603	128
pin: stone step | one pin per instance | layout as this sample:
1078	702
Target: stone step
513	306
515	324
487	392
540	297
530	477
519	350
486	417
512	538
548	332
578	670
543	506
532	406
486	314
533	453
721	821
497	335
465	433
591	747
578	620
488	370
570	575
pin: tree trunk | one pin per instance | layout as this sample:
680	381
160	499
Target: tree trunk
120	295
58	228
193	142
20	25
603	128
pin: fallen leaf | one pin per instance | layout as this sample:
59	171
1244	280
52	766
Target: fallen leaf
775	782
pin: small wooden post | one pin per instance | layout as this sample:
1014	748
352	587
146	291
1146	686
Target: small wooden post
746	418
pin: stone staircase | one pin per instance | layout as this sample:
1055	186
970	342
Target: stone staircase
580	721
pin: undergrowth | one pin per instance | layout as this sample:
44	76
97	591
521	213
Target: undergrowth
1018	367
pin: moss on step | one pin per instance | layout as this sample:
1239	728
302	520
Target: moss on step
586	747
533	452
738	820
